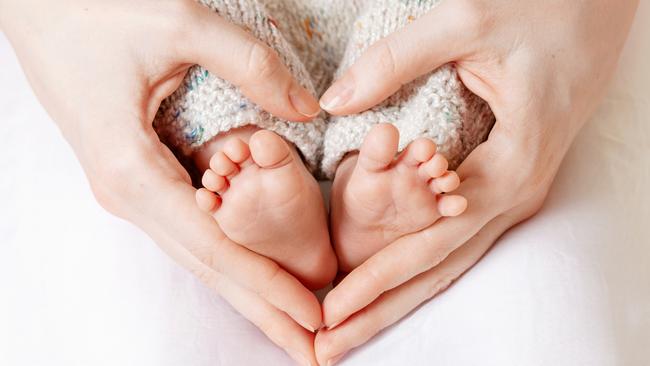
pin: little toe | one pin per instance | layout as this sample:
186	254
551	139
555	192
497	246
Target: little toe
222	165
214	182
434	168
418	151
379	148
206	200
236	150
451	205
269	150
445	183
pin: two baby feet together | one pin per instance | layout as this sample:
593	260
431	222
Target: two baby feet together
263	197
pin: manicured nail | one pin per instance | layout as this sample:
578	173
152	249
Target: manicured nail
306	326
299	358
334	325
337	95
332	361
304	103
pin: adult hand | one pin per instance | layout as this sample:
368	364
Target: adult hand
543	68
101	70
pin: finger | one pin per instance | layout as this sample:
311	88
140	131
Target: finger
275	324
148	190
418	48
396	303
204	242
142	182
408	256
489	193
235	55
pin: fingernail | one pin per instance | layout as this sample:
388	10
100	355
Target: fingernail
337	95
332	361
298	357
334	325
306	326
304	103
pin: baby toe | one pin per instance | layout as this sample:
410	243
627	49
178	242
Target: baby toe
445	183
222	165
379	147
206	200
434	168
451	205
214	182
236	150
418	151
269	150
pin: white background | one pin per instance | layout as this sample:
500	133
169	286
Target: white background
569	287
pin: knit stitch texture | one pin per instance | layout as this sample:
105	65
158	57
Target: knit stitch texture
318	40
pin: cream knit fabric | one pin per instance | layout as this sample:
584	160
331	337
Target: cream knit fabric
317	40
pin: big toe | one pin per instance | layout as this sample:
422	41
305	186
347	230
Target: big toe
379	147
269	150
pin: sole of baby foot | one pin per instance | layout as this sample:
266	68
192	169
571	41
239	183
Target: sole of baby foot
379	196
264	198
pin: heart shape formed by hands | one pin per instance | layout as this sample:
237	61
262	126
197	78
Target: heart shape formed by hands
540	86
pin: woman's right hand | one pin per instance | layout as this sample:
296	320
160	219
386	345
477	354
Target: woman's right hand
101	69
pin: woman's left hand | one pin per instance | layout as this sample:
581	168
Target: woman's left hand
543	67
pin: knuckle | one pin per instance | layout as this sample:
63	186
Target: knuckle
532	188
206	276
439	285
207	255
372	322
536	159
263	63
173	18
533	202
476	20
109	190
437	256
104	195
385	57
273	274
114	182
438	251
532	183
276	332
372	275
430	239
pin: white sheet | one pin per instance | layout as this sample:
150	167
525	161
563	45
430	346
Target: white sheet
569	287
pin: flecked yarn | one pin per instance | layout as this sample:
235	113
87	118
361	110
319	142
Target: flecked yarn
318	40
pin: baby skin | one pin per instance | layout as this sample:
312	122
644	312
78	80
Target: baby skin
378	197
263	197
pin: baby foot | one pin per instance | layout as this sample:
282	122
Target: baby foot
264	198
377	197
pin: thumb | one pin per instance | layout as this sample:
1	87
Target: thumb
429	42
231	53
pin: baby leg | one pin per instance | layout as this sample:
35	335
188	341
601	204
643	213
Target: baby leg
263	197
377	196
256	167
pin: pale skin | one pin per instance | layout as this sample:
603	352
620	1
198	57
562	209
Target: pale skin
260	193
263	197
543	67
379	196
110	65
